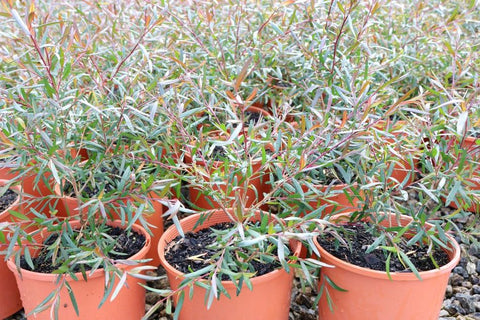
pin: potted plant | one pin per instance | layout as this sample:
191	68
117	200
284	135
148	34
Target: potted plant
10	205
82	269
384	262
118	189
233	263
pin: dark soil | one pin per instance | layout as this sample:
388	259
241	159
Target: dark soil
127	243
218	153
191	253
359	238
87	192
103	181
328	176
475	133
7	199
252	117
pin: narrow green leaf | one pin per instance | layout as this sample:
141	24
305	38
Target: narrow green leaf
179	305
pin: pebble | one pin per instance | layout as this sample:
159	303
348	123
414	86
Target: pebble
456	279
476	289
471	268
443	313
474	251
466	284
477	305
478	266
454	309
467	302
461	271
448	291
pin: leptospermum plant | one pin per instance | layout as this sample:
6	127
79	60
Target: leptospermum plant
133	83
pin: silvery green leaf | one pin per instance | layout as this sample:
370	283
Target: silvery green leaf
462	122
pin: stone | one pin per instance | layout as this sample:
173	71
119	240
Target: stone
303	300
478	266
477	306
467	303
443	313
476	289
454	309
461	271
471	268
152	297
466	284
456	279
459	289
474	251
448	291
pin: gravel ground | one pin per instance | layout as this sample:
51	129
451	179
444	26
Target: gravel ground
462	299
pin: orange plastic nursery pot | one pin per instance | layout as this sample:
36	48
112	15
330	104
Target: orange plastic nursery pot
9	296
268	300
402	170
372	295
6	172
128	304
469	144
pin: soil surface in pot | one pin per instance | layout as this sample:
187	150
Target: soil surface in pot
359	239
192	253
127	243
7	199
252	118
475	133
330	175
88	192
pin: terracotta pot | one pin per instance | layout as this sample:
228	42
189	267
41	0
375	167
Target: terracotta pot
403	170
80	153
268	300
37	195
34	193
6	171
473	183
129	303
77	153
372	295
9	295
70	206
